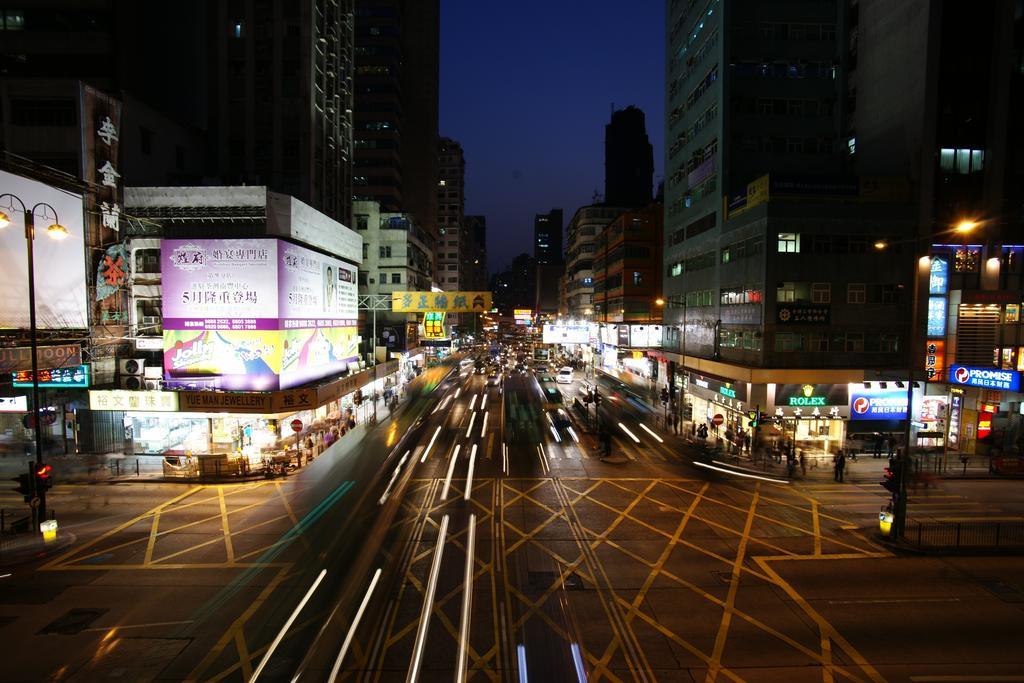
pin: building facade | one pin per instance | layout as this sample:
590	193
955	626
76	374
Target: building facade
583	229
627	268
628	159
453	238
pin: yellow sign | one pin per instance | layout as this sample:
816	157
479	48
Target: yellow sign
120	399
444	302
433	325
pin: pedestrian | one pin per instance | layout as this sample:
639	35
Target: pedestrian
878	445
675	423
839	465
351	422
790	465
891	444
803	464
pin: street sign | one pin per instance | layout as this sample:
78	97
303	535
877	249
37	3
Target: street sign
718	419
296	425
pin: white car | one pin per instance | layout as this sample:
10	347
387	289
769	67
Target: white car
564	375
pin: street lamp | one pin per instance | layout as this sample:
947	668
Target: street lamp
58	232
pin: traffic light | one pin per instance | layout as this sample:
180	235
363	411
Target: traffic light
44	477
26	486
597	398
893	475
755	418
664	396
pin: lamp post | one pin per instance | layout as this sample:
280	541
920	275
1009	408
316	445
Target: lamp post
55	231
920	262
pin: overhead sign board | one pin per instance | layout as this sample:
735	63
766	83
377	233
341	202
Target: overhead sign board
14	359
878	404
991	378
67	378
14	404
142	401
811	395
564	333
444	302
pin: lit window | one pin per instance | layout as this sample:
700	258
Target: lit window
789	243
638	278
851	145
236	29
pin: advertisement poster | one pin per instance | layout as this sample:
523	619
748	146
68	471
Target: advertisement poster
566	334
256	314
59	264
878	404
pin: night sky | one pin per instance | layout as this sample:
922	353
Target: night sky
528	87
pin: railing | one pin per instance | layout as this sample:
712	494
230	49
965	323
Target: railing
975	535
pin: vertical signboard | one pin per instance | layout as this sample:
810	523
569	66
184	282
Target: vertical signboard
936	316
101	132
934	359
938	277
956	404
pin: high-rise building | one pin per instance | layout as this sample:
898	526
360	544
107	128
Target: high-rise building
584	227
474	261
628	159
770	269
280	98
396	106
451	205
547	237
627	268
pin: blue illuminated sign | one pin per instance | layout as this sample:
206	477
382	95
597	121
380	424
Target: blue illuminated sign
878	404
938	279
936	316
67	378
990	378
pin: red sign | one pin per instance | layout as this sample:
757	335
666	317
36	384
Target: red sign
296	425
984	424
718	419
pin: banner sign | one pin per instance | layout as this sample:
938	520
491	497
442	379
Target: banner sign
936	316
991	378
934	359
736	390
803	314
120	399
564	333
878	404
444	302
67	378
15	359
956	404
14	404
811	394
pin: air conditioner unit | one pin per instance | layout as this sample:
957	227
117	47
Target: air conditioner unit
131	366
150	320
133	382
152	385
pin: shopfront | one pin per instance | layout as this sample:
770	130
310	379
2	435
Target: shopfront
716	402
243	428
810	417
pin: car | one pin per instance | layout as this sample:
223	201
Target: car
564	375
553	395
494	378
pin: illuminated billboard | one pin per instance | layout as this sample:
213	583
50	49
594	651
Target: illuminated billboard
59	264
256	314
564	333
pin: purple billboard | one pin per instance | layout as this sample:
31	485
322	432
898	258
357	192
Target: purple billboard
255	314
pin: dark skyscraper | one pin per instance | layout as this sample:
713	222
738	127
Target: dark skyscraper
547	237
280	99
628	159
396	106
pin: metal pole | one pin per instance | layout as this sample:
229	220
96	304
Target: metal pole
900	509
39	513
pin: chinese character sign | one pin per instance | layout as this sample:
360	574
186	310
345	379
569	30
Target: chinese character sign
936	316
112	273
934	359
989	378
444	302
938	277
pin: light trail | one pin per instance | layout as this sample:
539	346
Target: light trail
483	427
472	402
739	474
631	434
430	445
352	629
428	605
287	625
451	470
469	475
467	600
646	429
469	429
